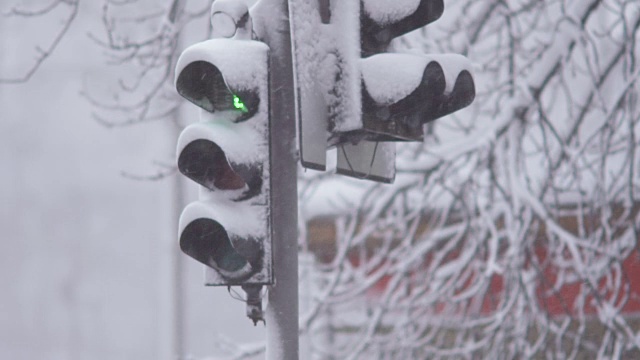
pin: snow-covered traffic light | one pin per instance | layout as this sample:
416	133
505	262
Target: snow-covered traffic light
227	153
369	97
402	92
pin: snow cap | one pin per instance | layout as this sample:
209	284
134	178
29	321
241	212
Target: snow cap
386	12
231	18
391	77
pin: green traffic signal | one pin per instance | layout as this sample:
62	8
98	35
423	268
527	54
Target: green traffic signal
238	104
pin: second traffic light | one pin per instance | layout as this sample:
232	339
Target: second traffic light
227	153
355	96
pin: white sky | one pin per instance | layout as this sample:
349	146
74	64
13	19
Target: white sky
85	262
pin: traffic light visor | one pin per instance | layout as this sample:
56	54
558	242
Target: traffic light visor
220	155
204	162
202	83
224	75
228	239
207	241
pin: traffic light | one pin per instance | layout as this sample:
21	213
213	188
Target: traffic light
227	153
369	98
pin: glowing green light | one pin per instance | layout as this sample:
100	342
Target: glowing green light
238	104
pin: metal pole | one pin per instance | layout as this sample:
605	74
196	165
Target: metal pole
282	310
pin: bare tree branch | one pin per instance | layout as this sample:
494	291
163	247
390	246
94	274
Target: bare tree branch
42	54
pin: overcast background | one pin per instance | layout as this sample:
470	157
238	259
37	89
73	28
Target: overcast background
87	257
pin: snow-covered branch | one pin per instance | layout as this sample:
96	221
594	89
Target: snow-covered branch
513	229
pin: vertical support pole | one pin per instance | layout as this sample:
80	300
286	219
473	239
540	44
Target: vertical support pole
282	310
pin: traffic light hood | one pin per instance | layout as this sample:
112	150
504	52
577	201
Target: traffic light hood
220	155
224	74
402	92
390	77
233	245
382	20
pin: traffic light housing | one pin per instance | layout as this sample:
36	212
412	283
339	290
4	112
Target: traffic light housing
227	154
369	98
400	115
